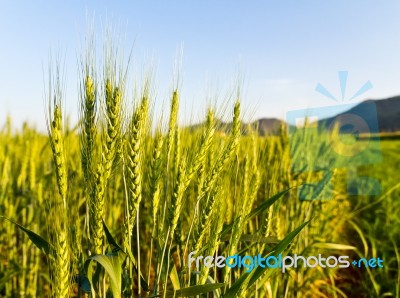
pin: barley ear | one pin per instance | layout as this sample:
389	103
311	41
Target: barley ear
155	176
88	127
134	152
57	145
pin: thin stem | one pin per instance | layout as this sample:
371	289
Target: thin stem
151	254
138	249
162	261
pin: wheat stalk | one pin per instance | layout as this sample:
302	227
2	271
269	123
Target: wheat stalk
134	159
110	147
60	255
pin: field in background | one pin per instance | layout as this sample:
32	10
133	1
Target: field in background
354	225
115	205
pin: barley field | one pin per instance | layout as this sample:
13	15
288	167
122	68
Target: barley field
113	206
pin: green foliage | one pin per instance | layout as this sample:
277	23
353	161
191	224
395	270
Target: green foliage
156	196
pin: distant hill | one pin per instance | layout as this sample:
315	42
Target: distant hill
385	111
264	126
268	126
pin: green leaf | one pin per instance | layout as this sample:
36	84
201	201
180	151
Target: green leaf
40	242
263	206
216	292
266	204
175	278
254	275
336	246
110	239
115	248
112	263
317	191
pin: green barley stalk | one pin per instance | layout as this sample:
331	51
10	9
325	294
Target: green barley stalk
209	157
88	112
212	178
110	147
173	122
206	164
248	196
175	209
228	152
200	157
177	198
206	221
155	176
176	228
155	189
134	160
60	261
88	126
57	146
184	178
171	135
214	240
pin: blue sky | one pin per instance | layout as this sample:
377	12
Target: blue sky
281	49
